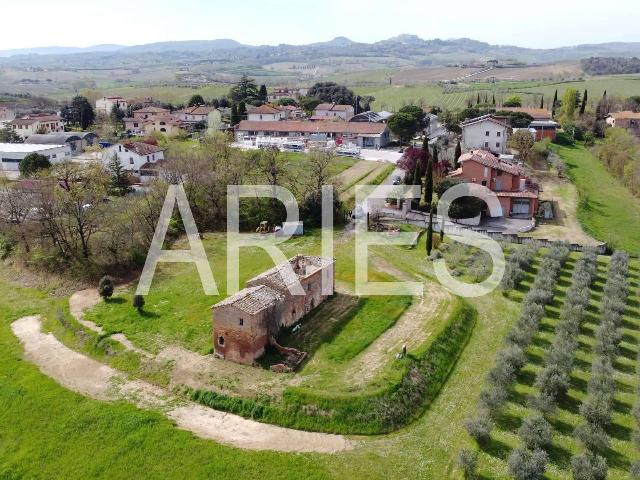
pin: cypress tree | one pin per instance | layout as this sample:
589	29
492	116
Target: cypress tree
555	103
583	106
494	100
442	229
234	115
457	155
262	94
242	111
430	232
542	101
428	179
478	101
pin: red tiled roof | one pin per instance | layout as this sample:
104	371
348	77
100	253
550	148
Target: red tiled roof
334	107
626	115
490	160
152	110
142	149
484	118
200	110
536	113
264	109
31	119
313	127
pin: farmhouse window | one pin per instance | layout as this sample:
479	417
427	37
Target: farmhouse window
487	134
221	340
499	133
241	322
486	144
497	144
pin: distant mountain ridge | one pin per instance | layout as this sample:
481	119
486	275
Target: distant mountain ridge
402	50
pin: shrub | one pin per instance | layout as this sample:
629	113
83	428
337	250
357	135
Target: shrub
480	428
527	464
138	302
105	287
535	432
634	471
468	463
588	467
593	438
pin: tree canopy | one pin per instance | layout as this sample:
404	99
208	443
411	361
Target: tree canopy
79	112
331	92
196	101
244	91
33	163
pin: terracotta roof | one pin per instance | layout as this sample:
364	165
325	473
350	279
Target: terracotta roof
200	110
142	148
252	300
334	107
529	193
31	119
152	110
490	160
626	115
484	118
283	277
167	119
536	113
361	128
264	109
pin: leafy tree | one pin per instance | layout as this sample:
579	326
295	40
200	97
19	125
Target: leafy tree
468	463
583	105
480	428
535	432
138	302
286	102
33	163
404	126
457	154
105	287
79	112
523	141
263	96
514	101
417	113
308	104
587	466
244	91
527	465
116	115
569	104
235	119
428	180
196	101
119	177
8	135
242	111
331	92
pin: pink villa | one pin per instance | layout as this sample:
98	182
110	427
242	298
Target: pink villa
518	195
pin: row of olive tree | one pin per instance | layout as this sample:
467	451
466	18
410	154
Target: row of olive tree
597	407
530	460
518	262
511	358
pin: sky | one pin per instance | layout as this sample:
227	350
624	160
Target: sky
536	24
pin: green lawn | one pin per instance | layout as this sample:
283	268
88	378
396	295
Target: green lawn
606	210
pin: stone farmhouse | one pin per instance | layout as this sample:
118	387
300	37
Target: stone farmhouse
630	121
244	324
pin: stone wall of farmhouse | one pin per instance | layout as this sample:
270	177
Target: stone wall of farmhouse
240	337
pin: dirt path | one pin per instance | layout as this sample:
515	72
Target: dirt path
82	374
411	329
565	197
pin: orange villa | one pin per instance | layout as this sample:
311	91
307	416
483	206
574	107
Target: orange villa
518	195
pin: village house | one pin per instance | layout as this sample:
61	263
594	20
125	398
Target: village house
291	112
545	129
134	156
332	111
194	115
265	113
280	93
167	125
37	123
11	154
105	105
485	133
244	324
538	114
366	135
630	121
517	194
150	112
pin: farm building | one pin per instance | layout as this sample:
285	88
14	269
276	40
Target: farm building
12	153
630	121
246	323
76	140
363	134
485	133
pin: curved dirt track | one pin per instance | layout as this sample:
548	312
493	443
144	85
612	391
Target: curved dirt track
82	374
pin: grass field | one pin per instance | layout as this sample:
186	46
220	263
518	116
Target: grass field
606	209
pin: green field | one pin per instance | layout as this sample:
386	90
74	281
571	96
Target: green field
606	210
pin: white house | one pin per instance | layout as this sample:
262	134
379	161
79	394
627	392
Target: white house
6	116
12	153
485	133
134	156
105	104
331	111
265	113
37	123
